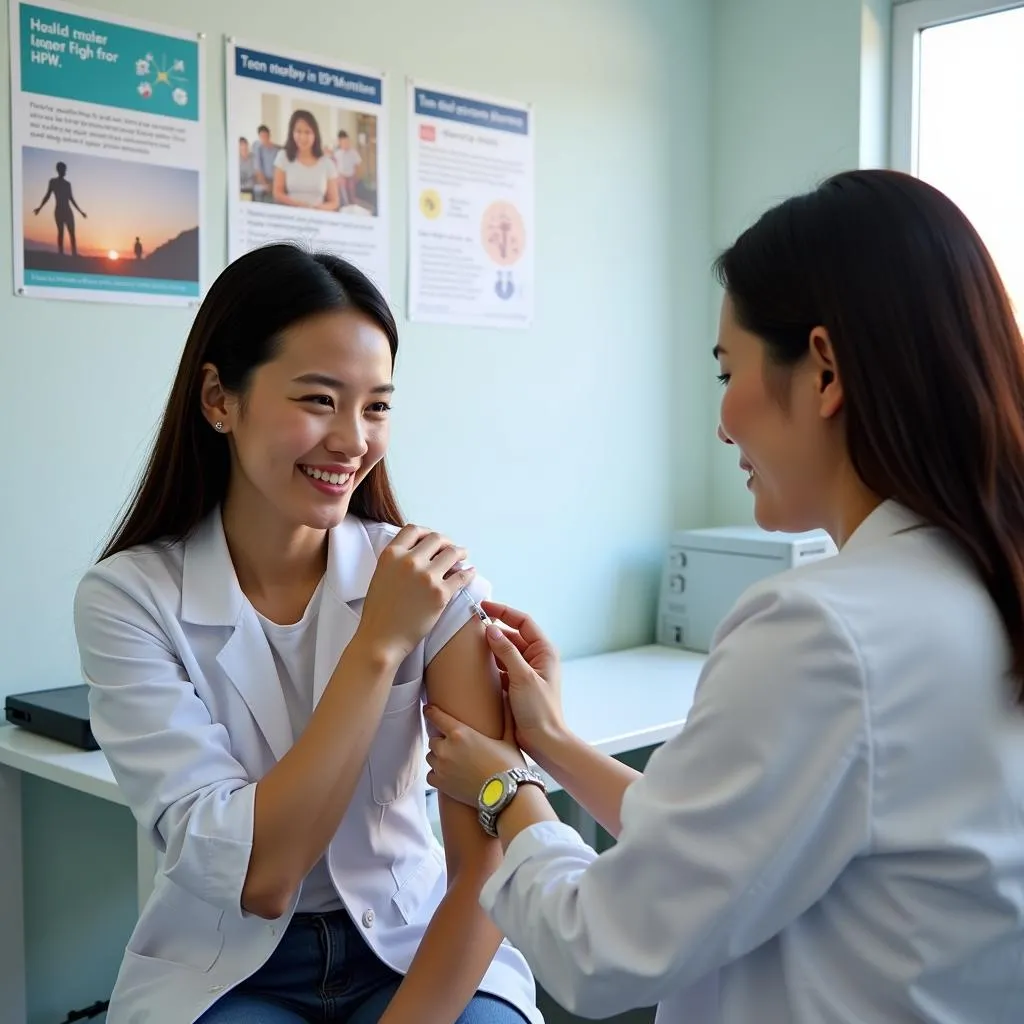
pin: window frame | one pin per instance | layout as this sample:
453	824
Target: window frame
909	20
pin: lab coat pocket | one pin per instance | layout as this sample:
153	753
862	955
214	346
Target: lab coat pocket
417	888
396	754
178	929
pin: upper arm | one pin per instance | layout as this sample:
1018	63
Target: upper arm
279	183
462	679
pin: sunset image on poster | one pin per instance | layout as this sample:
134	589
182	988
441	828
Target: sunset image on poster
89	215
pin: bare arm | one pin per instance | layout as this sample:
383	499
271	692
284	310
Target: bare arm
460	940
301	800
594	780
71	199
46	198
530	665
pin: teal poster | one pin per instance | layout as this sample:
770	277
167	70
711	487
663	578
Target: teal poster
107	157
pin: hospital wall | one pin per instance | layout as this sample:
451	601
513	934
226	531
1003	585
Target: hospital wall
562	456
799	91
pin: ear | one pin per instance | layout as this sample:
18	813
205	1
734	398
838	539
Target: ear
826	372
219	406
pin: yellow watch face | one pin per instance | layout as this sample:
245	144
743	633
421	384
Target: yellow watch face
492	792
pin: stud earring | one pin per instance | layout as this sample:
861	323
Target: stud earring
219	426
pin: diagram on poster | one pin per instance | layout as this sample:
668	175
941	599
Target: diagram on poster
307	156
107	157
471	179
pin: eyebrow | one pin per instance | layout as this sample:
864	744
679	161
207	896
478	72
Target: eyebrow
326	381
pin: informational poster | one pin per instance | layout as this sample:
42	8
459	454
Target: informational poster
107	152
307	156
471	233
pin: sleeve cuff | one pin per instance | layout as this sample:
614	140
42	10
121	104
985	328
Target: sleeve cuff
545	836
454	617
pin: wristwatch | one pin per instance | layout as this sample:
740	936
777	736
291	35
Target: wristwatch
497	792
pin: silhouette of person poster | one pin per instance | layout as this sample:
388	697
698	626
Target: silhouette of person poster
307	155
471	187
107	157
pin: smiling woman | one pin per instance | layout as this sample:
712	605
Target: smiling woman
258	638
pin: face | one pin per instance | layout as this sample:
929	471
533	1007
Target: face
304	136
345	143
243	149
788	450
265	138
313	422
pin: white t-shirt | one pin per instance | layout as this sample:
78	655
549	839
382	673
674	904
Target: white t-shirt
293	647
347	160
294	650
306	184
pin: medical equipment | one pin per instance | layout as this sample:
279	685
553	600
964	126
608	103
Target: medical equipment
706	571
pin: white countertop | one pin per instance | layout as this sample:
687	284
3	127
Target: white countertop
617	702
84	770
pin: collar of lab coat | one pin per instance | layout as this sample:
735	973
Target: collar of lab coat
886	520
211	596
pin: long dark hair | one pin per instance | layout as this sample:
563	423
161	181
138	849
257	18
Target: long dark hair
237	329
291	150
928	350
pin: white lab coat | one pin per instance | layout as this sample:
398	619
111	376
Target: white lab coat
186	704
837	834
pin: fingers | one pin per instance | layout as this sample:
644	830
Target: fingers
435	553
425	544
433	544
440	720
518	620
504	649
519	643
407	537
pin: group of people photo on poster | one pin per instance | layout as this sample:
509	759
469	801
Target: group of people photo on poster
308	156
109	169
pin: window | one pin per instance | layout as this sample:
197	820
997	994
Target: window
958	98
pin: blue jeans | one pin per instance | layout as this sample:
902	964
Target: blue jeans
323	972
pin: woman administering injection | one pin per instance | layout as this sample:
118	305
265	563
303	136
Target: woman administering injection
257	638
837	834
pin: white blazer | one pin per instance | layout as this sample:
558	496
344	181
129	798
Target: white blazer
837	834
186	703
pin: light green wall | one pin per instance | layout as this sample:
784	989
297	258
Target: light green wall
551	453
799	92
664	126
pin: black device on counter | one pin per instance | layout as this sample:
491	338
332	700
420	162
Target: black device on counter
59	714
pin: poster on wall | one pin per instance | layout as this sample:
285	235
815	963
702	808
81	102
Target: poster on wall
471	230
307	156
107	154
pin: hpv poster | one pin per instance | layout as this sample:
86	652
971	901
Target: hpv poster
471	220
107	152
307	155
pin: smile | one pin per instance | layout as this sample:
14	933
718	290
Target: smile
331	481
330	478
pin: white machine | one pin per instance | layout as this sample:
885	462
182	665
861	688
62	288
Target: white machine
706	571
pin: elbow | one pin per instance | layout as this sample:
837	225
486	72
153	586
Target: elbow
268	903
265	894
